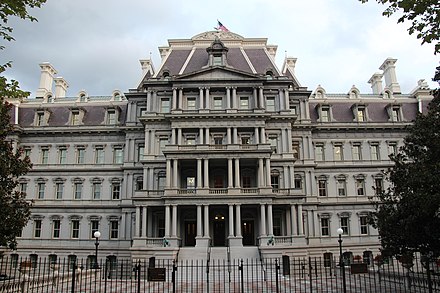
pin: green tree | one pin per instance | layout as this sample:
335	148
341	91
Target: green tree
423	15
14	208
408	212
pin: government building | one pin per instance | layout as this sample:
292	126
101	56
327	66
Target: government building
217	149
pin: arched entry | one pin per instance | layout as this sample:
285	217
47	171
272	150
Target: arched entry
219	233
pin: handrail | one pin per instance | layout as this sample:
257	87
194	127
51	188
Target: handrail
263	268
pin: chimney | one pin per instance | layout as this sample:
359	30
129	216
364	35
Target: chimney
46	79
291	62
389	72
61	86
147	65
376	83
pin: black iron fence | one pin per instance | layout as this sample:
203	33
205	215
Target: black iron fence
287	274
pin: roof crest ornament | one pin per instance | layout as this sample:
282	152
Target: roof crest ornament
212	35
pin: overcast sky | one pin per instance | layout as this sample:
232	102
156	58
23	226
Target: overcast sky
96	44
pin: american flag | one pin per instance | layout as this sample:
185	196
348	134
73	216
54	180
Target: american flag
221	27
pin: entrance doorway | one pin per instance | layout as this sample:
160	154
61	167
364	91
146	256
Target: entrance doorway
219	230
190	233
247	228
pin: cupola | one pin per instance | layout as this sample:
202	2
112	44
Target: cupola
217	53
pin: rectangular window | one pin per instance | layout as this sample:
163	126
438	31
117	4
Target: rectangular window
37	228
218	103
80	155
118	155
23	187
322	187
375	152
273	141
244	103
56	229
364	225
275	181
96	190
392	148
344	225
75	229
325	114
277	230
78	188
44	156
246	181
111	117
143	111
163	141
270	104
191	104
99	155
161	181
395	114
165	105
218	140
94	226
293	109
217	60
62	156
319	153
59	190
75	118
141	150
295	150
27	153
360	186
360	115
40	119
116	190
341	187
325	227
298	182
356	152
41	188
190	140
114	225
190	182
378	185
338	155
245	140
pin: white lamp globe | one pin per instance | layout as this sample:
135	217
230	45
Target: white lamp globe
97	234
339	231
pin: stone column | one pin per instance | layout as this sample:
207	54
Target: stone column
263	220
206	173
167	221
174	105
199	173
260	173
173	136
175	173
228	97
238	220
255	95
138	222
261	96
207	137
153	143
154	103
208	99
145	181
144	221
293	221
174	226
268	172
281	99
199	221
257	136
180	98
206	224
123	226
179	136
168	174
263	135
200	98
147	142
287	99
286	177
289	140
228	136
231	220
237	173
201	136
235	135
230	174
149	102
234	97
270	219
300	220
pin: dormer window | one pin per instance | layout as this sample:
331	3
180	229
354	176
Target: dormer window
76	116
324	113
395	113
41	118
360	113
217	53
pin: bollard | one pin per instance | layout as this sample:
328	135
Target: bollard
277	271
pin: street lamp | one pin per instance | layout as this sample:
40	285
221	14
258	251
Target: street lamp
341	261
97	234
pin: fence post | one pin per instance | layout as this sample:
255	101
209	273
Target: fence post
74	268
240	268
277	271
105	275
173	276
310	274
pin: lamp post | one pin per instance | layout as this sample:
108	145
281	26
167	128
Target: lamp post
341	260
97	234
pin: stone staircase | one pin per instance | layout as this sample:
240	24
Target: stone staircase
218	253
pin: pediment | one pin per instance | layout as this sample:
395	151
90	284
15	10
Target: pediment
217	73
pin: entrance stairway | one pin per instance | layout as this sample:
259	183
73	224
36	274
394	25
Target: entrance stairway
218	253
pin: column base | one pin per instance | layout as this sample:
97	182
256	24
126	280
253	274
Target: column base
266	240
202	241
235	241
138	242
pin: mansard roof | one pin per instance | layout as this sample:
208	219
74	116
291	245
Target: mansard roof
251	55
